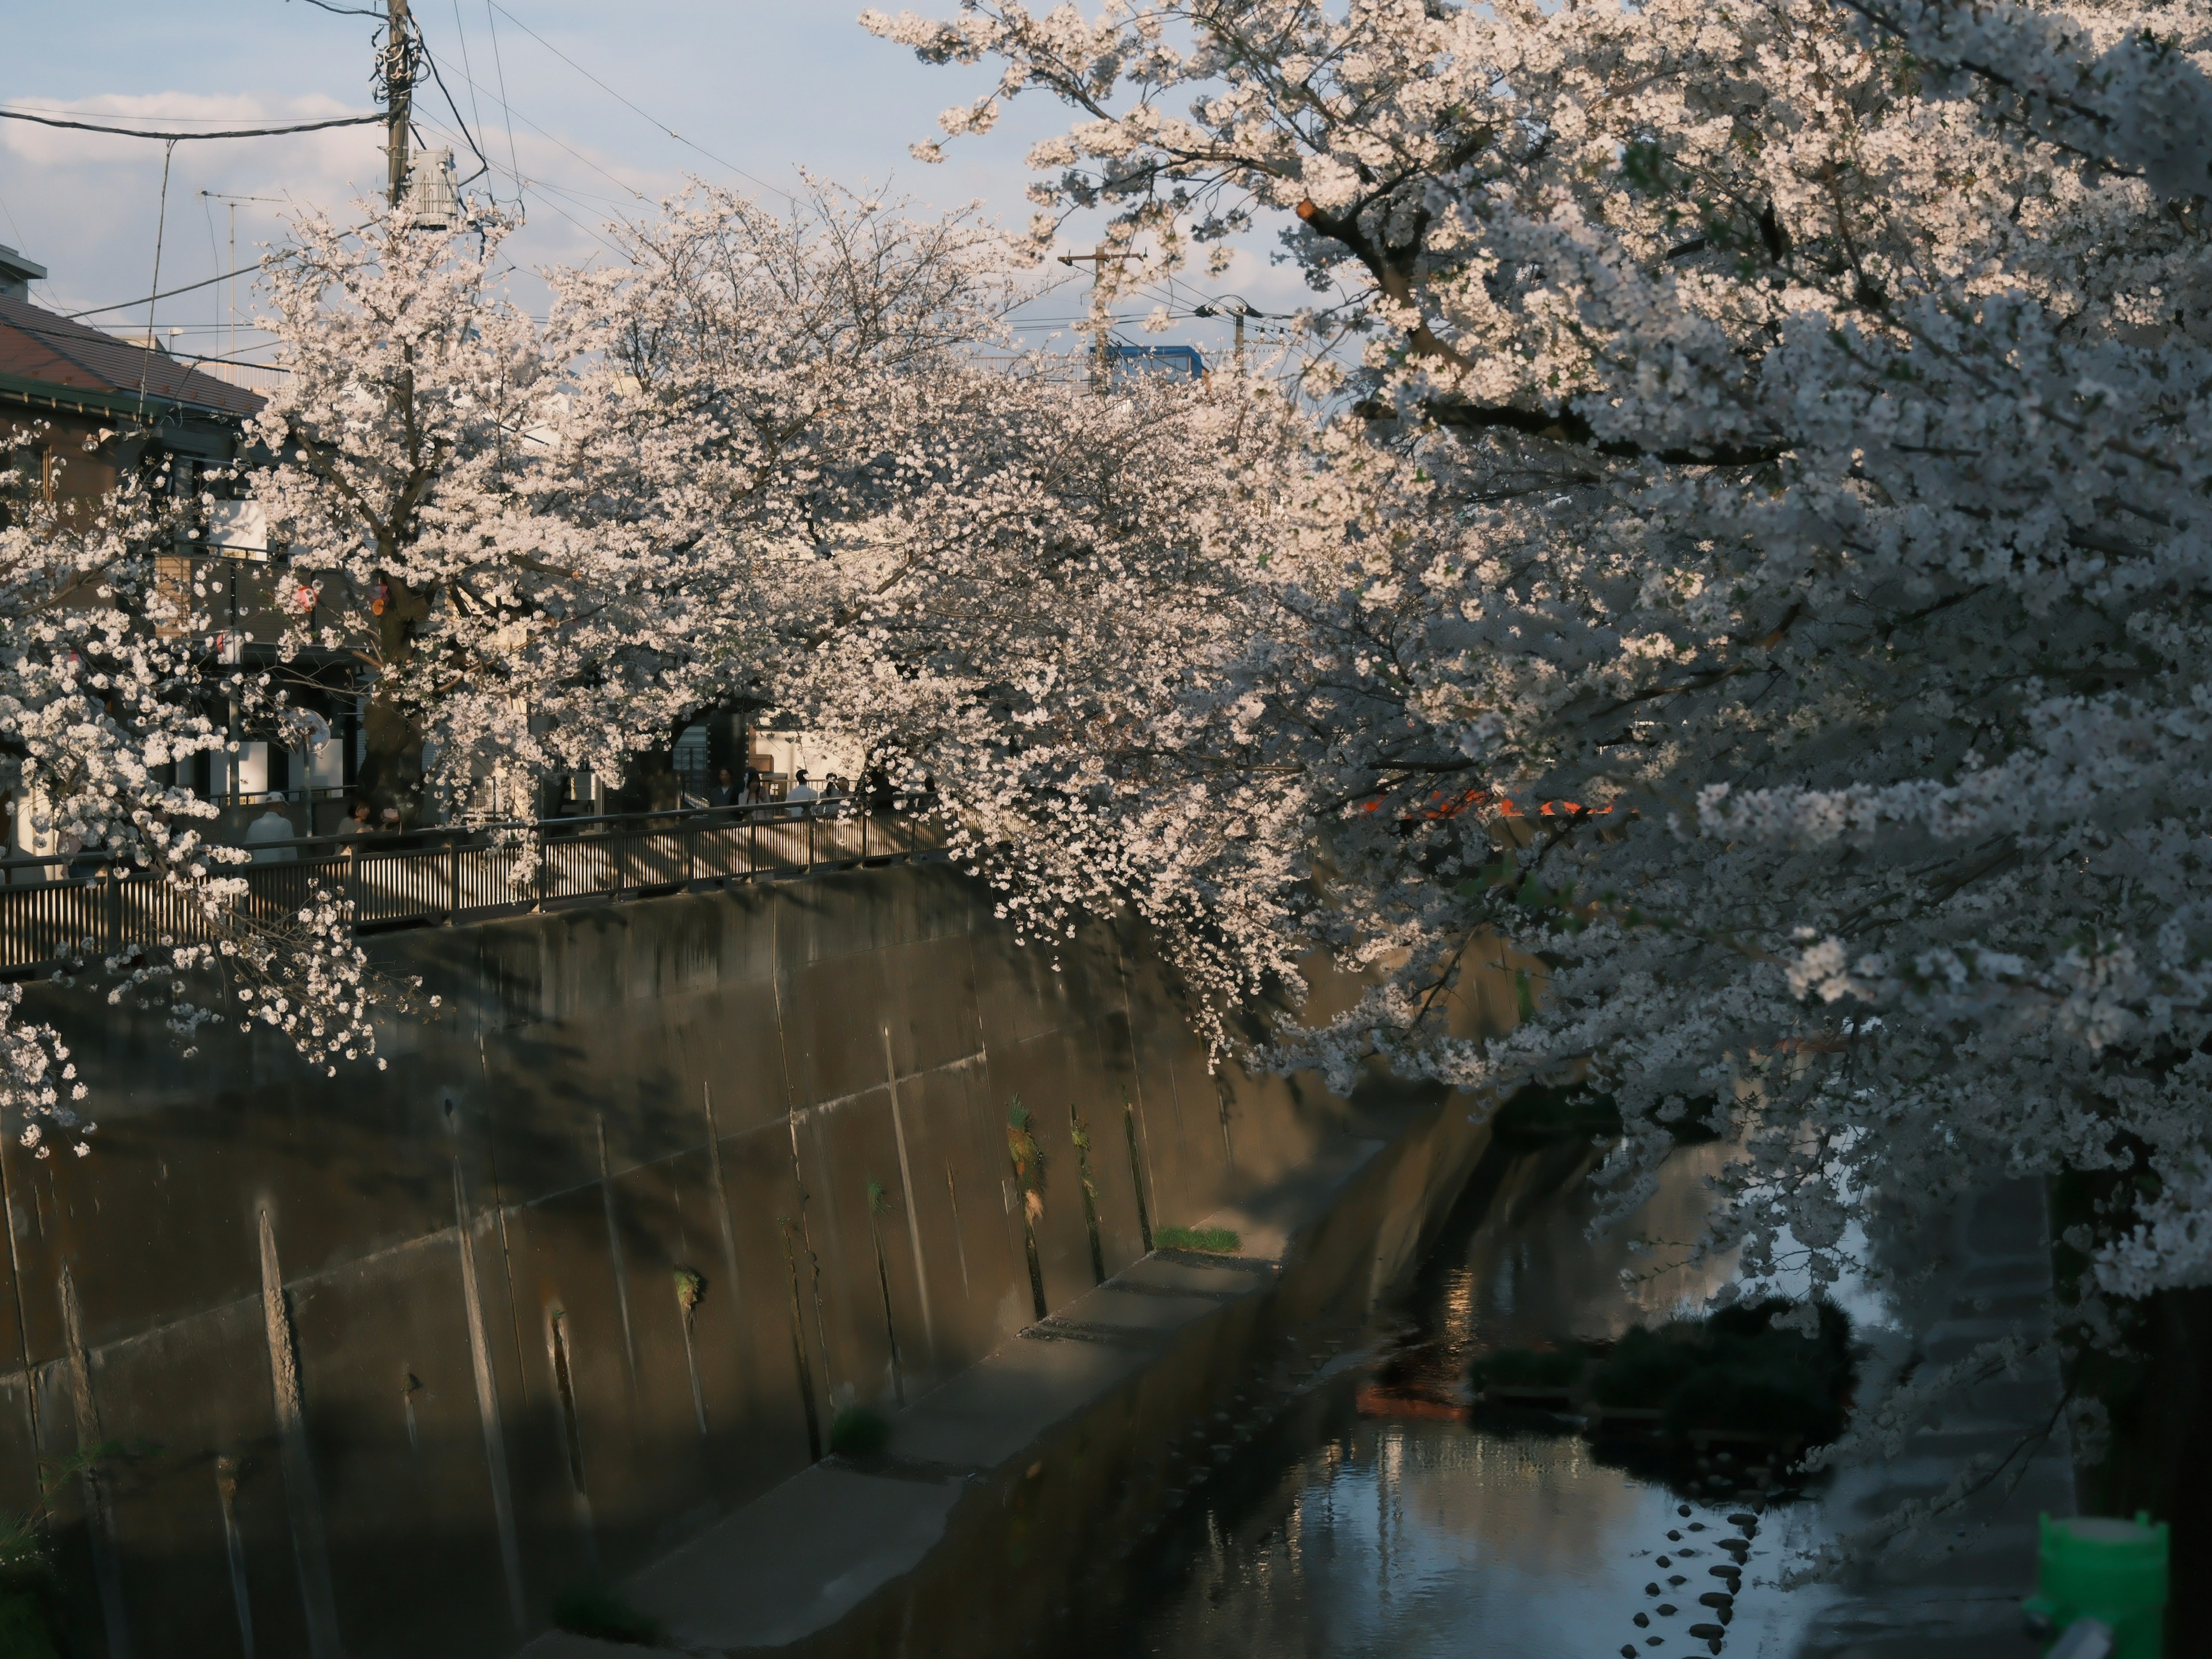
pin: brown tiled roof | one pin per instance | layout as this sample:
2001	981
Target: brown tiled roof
40	345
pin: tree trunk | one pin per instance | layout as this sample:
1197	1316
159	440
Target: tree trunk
391	735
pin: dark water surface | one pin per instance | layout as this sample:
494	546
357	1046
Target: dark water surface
1373	1516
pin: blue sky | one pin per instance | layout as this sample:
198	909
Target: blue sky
765	87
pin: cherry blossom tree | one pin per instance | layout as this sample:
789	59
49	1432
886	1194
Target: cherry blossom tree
1758	563
874	516
748	388
412	436
552	546
543	545
109	681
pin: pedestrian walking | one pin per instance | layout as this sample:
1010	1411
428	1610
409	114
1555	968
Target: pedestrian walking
271	834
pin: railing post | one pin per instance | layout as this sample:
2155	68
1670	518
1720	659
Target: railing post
452	877
112	911
810	837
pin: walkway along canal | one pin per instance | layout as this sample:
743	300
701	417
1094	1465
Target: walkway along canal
1370	1514
1292	1470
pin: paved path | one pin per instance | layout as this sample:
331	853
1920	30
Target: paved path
1955	1592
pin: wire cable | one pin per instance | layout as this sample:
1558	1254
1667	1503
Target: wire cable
483	166
169	351
522	180
513	166
659	123
144	299
160	224
514	114
180	138
476	108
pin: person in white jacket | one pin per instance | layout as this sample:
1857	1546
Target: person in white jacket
264	834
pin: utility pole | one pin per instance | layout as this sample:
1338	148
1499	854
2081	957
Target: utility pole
1102	378
1233	306
399	93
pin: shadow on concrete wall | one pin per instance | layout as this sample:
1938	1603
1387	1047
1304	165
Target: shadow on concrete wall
407	1354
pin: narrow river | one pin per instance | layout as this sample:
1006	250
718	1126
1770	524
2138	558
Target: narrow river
1373	1516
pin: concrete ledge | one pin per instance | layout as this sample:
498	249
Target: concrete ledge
801	1559
1054	1450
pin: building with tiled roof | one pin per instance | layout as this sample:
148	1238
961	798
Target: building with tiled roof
84	404
80	410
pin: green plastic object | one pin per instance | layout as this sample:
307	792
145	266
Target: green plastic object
2102	1568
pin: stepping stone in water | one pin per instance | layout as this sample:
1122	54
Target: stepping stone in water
1709	1632
1667	1609
1715	1599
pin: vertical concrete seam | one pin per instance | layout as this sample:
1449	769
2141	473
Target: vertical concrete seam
1137	1083
16	1278
721	1196
310	1549
234	1544
799	1186
959	1243
506	1243
572	1430
100	1520
615	1253
502	1494
912	1204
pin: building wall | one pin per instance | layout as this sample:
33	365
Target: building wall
402	1356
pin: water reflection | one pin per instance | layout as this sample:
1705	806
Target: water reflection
1373	1518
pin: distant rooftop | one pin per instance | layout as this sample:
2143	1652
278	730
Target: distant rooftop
39	346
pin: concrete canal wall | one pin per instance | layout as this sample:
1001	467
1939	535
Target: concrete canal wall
1005	1504
398	1358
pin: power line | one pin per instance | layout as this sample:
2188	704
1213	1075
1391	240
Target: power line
118	115
659	123
431	59
232	360
215	253
515	114
476	109
160	224
580	196
180	137
147	299
513	166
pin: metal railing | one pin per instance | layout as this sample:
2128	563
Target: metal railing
55	910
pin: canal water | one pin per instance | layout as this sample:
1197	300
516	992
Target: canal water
1370	1514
